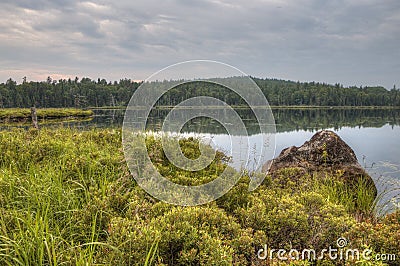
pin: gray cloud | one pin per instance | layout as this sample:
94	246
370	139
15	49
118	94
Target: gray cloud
352	42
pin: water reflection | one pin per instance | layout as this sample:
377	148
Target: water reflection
316	119
288	120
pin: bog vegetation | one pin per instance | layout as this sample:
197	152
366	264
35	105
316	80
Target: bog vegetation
67	198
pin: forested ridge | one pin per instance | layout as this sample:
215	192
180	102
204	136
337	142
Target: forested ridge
86	92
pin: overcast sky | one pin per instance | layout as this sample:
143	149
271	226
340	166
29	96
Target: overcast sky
350	42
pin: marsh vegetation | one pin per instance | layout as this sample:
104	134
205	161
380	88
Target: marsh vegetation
67	197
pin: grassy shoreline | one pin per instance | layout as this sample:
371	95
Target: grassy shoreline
24	114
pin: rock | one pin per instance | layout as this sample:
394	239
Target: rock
324	152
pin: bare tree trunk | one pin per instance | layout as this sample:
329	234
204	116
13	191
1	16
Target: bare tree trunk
34	117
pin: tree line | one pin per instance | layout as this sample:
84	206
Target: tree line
79	93
283	92
85	92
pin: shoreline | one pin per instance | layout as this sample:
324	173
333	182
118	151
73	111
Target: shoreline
298	107
15	115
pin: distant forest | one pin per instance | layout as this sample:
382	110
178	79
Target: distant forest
85	92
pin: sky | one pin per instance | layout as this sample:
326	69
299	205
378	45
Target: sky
338	41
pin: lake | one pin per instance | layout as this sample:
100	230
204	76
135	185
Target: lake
374	135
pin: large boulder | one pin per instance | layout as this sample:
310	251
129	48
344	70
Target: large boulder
324	153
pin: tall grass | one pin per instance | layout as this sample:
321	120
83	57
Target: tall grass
47	179
357	198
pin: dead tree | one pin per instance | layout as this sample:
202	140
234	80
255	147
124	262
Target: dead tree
34	118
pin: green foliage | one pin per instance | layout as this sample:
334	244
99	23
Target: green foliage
382	236
190	149
67	197
358	198
66	93
86	92
186	236
49	184
303	220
